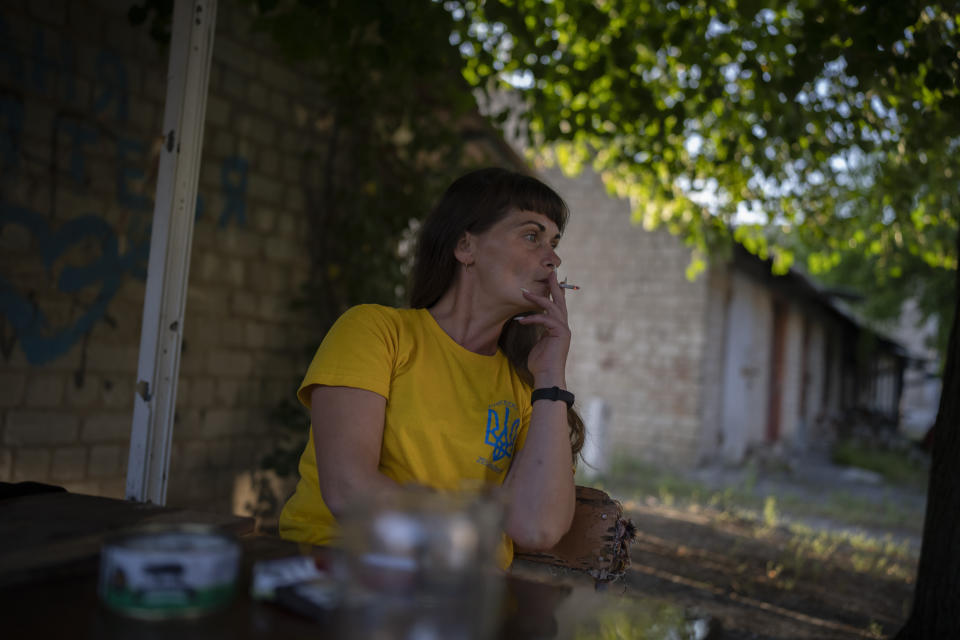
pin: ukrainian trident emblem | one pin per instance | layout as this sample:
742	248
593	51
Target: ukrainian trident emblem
502	433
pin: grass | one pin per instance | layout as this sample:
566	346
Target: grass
809	546
895	466
636	480
846	509
809	549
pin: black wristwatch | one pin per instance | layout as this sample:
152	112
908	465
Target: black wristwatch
552	393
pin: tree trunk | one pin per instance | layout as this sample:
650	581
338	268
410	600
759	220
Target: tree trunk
936	600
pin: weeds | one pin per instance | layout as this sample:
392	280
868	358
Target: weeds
771	517
632	479
808	550
895	466
882	557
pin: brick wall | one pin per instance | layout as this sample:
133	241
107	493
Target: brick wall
81	103
638	325
684	369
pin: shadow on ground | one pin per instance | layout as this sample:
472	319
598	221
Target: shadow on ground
804	550
760	583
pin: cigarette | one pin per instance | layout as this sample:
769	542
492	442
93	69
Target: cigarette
572	287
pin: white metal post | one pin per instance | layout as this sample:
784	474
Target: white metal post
191	48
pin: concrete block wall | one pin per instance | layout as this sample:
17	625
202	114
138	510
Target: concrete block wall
716	315
81	104
746	368
638	325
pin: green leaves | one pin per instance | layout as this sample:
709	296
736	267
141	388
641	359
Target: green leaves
384	81
838	118
837	121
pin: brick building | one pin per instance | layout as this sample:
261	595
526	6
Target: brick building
684	372
81	106
81	103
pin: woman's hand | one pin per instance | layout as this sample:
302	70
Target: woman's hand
548	358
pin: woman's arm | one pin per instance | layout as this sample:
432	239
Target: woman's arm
540	487
541	491
347	428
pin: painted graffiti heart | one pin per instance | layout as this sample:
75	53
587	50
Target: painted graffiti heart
40	339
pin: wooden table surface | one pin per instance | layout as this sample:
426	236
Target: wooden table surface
49	533
49	560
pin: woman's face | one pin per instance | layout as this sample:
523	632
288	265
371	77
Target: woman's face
517	252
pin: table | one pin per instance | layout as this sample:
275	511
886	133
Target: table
49	561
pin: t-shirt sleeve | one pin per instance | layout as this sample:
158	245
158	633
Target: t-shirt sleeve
359	351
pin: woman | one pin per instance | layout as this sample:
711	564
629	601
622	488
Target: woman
467	387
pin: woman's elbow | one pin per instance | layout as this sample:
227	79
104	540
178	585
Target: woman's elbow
343	492
538	536
338	494
334	500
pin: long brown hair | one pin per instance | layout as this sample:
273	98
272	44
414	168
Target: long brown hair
475	202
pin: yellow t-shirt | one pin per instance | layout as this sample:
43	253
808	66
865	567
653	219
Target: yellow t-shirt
454	419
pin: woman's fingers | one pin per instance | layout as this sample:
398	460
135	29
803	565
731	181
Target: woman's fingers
541	301
558	293
555	302
554	326
553	319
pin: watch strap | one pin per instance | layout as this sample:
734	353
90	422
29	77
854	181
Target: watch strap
552	393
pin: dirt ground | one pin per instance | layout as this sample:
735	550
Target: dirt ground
760	583
828	563
744	580
834	559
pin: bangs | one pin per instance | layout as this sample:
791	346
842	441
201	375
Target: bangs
532	195
506	191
